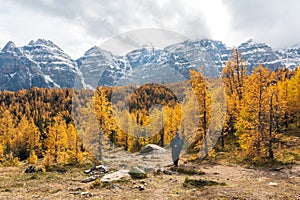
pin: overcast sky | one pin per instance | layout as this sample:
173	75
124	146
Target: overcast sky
77	25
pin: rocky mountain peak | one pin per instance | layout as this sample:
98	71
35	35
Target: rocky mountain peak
58	67
253	44
250	41
255	53
10	47
96	51
141	56
48	43
42	45
42	49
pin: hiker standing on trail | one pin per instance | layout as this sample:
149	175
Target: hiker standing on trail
176	145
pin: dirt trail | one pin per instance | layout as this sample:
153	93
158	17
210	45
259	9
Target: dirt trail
241	183
247	183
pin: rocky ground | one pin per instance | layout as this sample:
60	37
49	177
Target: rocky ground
149	175
233	182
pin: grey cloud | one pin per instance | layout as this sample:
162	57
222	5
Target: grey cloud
105	18
147	37
76	12
273	21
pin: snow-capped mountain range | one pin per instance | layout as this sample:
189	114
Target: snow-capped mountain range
41	63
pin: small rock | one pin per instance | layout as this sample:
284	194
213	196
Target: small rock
74	193
152	148
194	189
116	186
99	169
123	165
116	176
89	179
87	194
87	171
143	182
149	169
168	172
141	187
102	168
136	186
137	173
158	171
30	169
272	184
61	171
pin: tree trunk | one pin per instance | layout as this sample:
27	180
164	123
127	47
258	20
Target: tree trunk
100	146
271	154
222	138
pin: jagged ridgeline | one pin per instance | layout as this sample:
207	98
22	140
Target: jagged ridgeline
44	64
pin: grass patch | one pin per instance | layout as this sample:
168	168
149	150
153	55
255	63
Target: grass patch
98	184
187	170
201	183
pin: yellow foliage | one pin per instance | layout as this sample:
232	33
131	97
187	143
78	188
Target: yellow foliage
57	139
63	158
32	158
245	141
48	160
11	160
